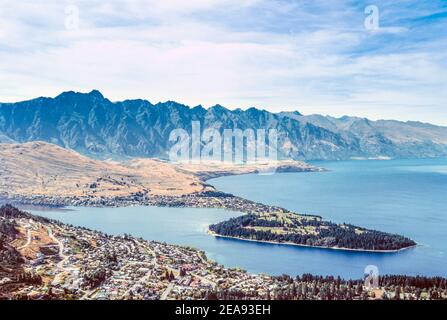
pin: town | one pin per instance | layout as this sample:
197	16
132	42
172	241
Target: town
45	259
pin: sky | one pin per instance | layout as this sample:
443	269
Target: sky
376	59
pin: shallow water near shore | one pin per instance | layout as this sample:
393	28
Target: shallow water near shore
408	197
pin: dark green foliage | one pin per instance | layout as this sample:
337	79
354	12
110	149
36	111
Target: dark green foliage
329	234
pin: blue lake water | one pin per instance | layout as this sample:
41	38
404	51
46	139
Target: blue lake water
408	197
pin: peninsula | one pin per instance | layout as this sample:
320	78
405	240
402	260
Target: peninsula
45	259
40	173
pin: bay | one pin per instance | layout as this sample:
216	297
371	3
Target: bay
407	197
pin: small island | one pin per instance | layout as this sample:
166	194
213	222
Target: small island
312	231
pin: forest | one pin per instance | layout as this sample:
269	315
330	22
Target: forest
326	234
311	287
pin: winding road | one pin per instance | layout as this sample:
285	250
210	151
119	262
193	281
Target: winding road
60	265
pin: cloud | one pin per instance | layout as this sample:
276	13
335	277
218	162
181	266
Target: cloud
276	54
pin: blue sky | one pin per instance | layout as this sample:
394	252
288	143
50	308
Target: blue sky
312	56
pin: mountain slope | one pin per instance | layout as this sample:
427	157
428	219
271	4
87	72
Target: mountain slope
95	126
40	169
384	137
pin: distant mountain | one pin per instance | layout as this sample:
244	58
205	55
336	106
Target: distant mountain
381	138
95	126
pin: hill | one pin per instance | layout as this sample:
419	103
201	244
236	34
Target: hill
43	169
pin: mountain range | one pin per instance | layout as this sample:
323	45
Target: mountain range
93	125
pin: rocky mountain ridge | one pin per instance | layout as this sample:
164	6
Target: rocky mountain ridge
93	125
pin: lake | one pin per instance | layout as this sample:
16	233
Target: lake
407	197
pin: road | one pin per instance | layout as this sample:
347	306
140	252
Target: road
28	240
205	280
239	284
142	281
28	235
167	291
64	258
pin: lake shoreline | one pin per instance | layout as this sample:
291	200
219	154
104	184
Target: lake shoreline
210	200
424	260
310	246
207	199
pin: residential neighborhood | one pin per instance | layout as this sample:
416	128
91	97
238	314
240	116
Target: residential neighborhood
45	259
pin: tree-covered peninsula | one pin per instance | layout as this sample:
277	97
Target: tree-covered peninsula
294	229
